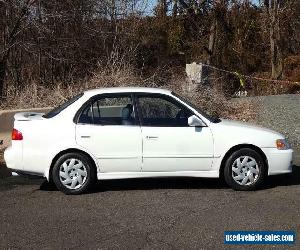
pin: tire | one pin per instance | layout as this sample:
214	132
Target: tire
74	173
245	170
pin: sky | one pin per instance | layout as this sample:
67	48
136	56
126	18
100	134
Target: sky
152	4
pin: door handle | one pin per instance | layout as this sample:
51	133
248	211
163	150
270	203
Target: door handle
151	137
85	136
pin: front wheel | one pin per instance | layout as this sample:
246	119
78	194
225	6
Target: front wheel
245	170
73	173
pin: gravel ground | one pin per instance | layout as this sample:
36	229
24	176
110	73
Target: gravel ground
280	113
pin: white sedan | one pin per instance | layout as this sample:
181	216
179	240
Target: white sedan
118	133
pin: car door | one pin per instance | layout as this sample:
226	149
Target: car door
169	143
107	128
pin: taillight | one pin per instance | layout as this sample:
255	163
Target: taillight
16	135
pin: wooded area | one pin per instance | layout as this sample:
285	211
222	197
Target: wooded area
64	42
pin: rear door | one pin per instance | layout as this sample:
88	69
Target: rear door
108	128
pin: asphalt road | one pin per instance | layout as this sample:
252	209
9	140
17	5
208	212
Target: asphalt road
180	213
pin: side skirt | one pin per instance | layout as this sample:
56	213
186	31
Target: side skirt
128	175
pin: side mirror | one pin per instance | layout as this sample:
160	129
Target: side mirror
194	121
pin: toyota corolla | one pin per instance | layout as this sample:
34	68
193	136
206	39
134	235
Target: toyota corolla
121	133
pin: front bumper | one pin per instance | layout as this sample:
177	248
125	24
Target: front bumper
279	161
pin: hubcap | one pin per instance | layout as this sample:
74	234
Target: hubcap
72	174
245	170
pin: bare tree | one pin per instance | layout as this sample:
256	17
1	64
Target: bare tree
16	13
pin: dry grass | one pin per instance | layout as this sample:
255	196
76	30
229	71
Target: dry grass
122	74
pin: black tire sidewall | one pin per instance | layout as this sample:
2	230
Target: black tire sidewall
228	169
91	173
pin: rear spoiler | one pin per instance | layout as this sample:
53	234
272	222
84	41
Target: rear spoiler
28	116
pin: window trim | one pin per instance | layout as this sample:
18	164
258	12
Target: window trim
136	106
169	98
94	98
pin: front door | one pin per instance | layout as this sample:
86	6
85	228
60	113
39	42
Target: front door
169	143
108	129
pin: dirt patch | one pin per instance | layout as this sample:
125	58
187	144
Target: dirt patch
244	110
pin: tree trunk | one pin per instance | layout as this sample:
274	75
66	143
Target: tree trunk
162	8
212	40
2	78
211	47
175	8
276	55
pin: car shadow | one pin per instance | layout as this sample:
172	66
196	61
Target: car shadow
179	183
4	171
158	183
147	184
284	180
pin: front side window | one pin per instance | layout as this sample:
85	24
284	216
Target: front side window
109	110
211	118
162	111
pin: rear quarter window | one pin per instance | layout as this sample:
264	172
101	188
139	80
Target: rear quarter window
63	106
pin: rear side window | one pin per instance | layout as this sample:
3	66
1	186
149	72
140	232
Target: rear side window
109	110
63	106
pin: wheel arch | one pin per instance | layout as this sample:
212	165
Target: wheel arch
238	147
70	150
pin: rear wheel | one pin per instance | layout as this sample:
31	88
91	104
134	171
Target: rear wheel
73	173
245	170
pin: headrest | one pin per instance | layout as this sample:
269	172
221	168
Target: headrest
126	111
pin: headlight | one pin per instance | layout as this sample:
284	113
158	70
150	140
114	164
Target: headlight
282	144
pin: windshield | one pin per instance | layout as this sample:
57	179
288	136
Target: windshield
207	116
61	107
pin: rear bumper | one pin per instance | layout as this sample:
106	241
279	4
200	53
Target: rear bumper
13	159
14	162
279	161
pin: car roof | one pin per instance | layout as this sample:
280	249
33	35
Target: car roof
93	92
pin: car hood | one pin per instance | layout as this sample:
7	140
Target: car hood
241	132
245	125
